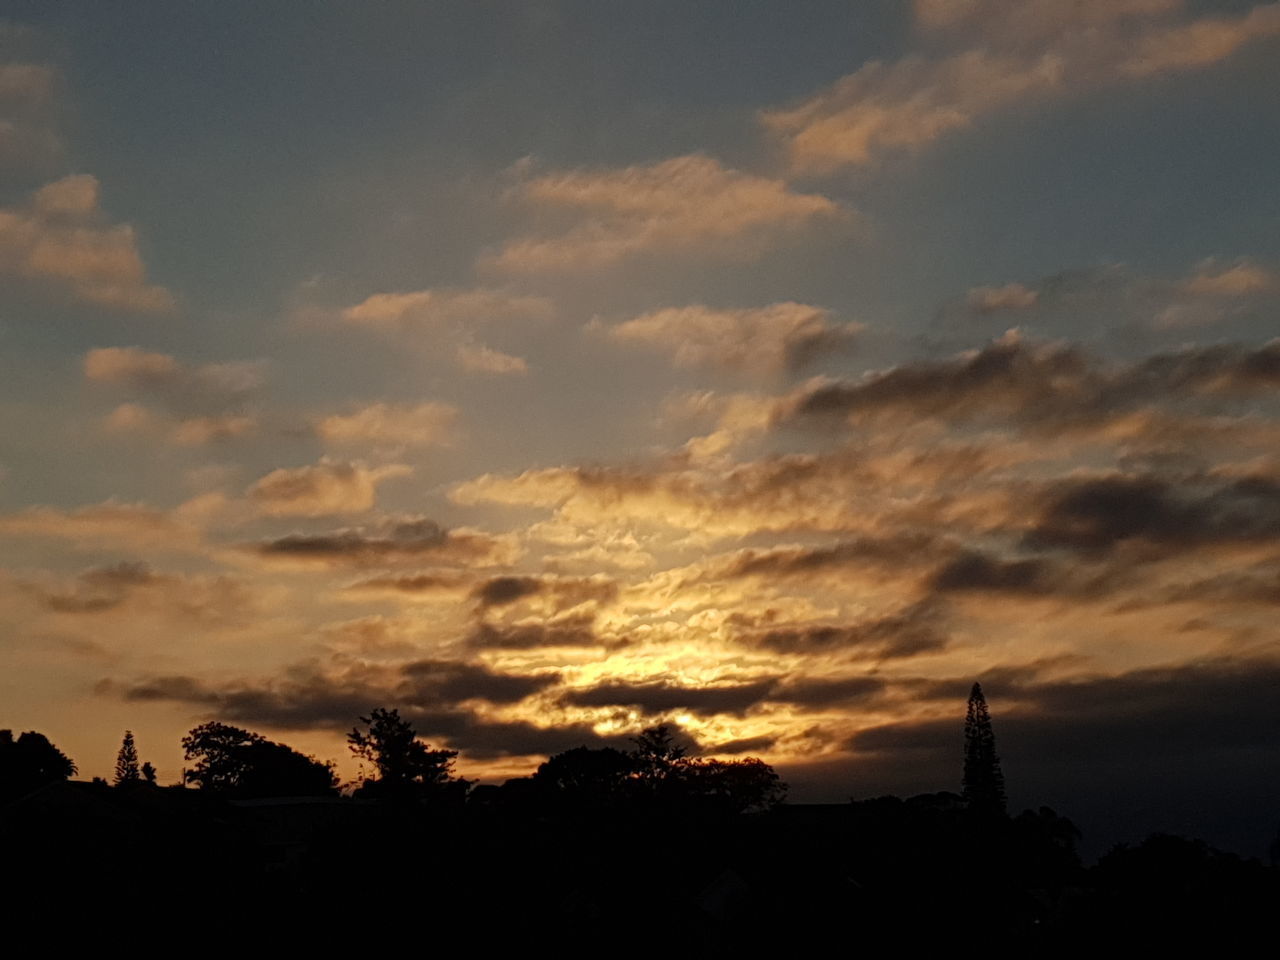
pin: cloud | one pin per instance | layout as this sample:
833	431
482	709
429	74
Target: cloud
110	524
100	589
445	700
689	203
26	85
208	402
58	240
129	591
391	425
1240	279
410	540
1011	21
1176	746
1201	42
779	338
975	571
889	107
663	696
830	491
894	554
29	143
1012	296
740	746
658	697
1010	52
1098	514
911	632
559	592
1042	386
445	583
446	308
322	489
425	318
332	696
575	630
478	358
199	431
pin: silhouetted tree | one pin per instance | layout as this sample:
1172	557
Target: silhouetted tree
148	772
657	756
733	786
406	766
127	761
587	777
29	762
247	764
983	780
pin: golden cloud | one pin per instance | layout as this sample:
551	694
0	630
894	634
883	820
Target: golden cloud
689	202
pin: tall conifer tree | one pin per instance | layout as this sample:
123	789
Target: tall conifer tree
983	779
127	761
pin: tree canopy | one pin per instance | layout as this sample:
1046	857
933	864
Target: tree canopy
406	767
30	761
658	771
246	764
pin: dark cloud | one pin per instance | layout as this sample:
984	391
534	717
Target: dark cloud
565	591
1260	587
1046	386
1192	749
407	540
1009	375
661	696
449	681
430	694
411	583
185	391
655	697
497	591
484	739
910	632
98	590
975	571
891	552
820	692
567	632
309	697
1098	514
135	585
742	745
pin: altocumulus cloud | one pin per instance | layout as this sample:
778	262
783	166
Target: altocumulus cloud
322	489
58	241
683	203
779	338
1004	53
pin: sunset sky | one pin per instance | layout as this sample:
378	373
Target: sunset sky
549	369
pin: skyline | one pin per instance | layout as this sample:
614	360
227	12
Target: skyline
548	372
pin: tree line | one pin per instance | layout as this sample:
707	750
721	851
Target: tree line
395	764
646	842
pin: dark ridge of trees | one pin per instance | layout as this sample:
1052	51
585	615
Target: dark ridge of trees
243	764
30	761
127	770
649	847
983	781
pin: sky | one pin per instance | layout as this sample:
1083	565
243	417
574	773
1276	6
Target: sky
548	370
